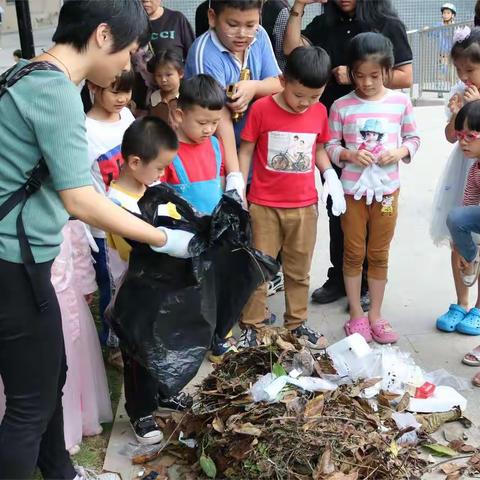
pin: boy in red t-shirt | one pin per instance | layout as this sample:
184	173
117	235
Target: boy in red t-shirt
285	136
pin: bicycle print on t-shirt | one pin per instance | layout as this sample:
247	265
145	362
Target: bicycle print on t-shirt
290	152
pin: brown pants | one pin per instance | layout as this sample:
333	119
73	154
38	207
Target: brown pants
378	220
293	232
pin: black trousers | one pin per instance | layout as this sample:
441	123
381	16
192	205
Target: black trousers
141	389
33	369
335	272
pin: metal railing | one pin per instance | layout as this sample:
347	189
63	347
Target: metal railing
432	69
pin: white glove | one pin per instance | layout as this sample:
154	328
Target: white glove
372	182
236	182
333	187
177	243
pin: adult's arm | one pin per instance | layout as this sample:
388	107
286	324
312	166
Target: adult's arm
293	33
94	209
402	77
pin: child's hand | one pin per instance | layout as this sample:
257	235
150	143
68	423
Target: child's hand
471	94
363	158
455	104
390	156
341	75
245	91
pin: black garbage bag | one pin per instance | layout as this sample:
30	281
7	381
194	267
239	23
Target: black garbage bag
167	309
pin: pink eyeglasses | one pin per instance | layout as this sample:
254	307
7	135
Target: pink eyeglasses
467	136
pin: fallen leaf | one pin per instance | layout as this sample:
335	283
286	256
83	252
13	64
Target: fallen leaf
325	465
343	476
433	421
394	449
449	468
247	429
467	449
441	450
404	402
208	466
218	425
286	346
315	406
278	370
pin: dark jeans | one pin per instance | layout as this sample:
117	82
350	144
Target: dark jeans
141	389
104	282
33	370
335	272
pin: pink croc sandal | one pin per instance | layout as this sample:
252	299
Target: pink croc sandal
382	332
359	325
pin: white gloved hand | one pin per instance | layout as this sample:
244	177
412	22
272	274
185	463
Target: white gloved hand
235	181
177	243
333	187
372	183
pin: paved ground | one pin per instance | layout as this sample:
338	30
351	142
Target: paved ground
420	286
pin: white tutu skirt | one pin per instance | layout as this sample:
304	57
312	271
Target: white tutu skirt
449	194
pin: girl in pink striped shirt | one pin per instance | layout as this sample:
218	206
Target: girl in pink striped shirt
372	129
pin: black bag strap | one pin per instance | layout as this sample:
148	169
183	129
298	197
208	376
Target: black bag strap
34	181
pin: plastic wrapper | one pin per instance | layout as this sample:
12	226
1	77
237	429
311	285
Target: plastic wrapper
404	421
167	309
442	377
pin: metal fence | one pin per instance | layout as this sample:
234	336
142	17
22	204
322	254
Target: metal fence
432	69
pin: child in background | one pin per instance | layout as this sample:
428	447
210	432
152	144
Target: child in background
283	198
198	171
167	70
86	396
464	221
106	123
449	194
149	146
235	47
365	174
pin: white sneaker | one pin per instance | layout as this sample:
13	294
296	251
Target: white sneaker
87	474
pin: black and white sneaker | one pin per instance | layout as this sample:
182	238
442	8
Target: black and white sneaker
248	339
177	403
310	338
147	431
276	284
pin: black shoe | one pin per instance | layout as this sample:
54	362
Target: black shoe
328	293
147	431
248	339
364	302
177	403
310	338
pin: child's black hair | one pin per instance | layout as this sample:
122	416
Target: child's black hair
17	53
164	57
78	19
309	66
124	82
469	116
219	5
203	91
373	47
468	49
146	137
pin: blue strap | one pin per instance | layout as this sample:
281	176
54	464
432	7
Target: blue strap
218	153
180	169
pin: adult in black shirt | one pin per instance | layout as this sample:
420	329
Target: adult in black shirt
341	21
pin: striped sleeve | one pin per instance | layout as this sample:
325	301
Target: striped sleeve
334	146
472	189
410	138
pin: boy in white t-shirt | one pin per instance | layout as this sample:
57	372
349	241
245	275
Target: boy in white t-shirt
106	122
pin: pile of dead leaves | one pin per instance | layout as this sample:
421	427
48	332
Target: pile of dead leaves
323	436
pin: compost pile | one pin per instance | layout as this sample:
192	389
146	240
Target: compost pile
331	435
